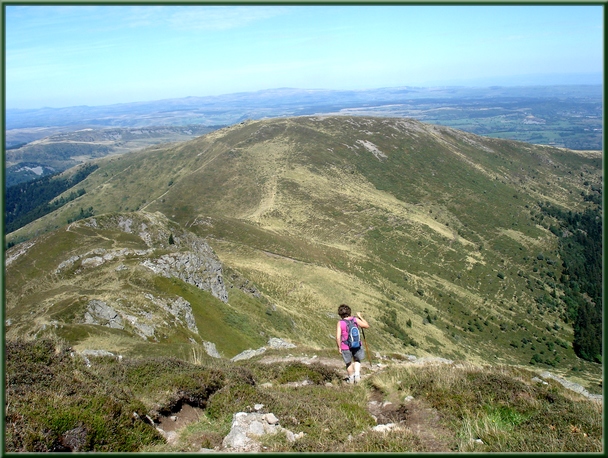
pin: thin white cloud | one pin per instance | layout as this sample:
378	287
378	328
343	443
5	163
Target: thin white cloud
215	18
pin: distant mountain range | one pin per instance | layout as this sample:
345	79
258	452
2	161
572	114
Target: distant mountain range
233	108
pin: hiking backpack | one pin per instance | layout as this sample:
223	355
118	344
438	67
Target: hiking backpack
354	337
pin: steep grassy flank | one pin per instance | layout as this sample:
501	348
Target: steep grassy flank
438	226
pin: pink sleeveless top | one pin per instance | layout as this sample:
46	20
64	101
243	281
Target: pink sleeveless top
344	328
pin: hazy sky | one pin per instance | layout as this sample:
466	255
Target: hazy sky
62	56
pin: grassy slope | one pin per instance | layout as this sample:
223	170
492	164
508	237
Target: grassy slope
101	403
441	227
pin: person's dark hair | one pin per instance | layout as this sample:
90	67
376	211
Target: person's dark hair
344	311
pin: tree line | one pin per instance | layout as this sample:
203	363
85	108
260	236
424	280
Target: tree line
580	248
26	202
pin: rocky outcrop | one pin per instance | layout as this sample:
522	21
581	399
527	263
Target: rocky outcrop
248	354
98	312
179	308
273	342
211	350
198	267
572	386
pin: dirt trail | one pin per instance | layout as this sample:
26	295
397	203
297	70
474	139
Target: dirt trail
411	415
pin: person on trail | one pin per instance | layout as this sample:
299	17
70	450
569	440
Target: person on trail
348	346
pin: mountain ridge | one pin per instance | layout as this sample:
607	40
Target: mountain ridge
388	214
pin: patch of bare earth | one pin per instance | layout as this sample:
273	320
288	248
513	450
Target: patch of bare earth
424	422
170	425
414	416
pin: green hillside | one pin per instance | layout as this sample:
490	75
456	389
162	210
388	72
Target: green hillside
441	238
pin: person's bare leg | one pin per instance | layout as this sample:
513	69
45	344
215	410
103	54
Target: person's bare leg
356	371
351	372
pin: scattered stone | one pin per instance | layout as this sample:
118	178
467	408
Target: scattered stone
384	428
271	419
266	385
96	353
433	359
275	342
408	398
248	354
258	407
537	380
299	384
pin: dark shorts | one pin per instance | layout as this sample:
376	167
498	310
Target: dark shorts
348	356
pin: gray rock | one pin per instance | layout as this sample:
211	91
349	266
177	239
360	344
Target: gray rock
198	267
256	428
248	354
237	437
142	329
275	342
384	428
247	427
211	350
96	353
179	308
572	386
271	419
95	261
98	312
74	439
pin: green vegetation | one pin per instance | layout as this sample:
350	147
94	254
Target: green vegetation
61	401
436	235
29	201
391	325
580	248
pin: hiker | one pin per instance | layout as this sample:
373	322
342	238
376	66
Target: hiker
349	343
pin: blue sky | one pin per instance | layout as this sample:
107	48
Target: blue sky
61	56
